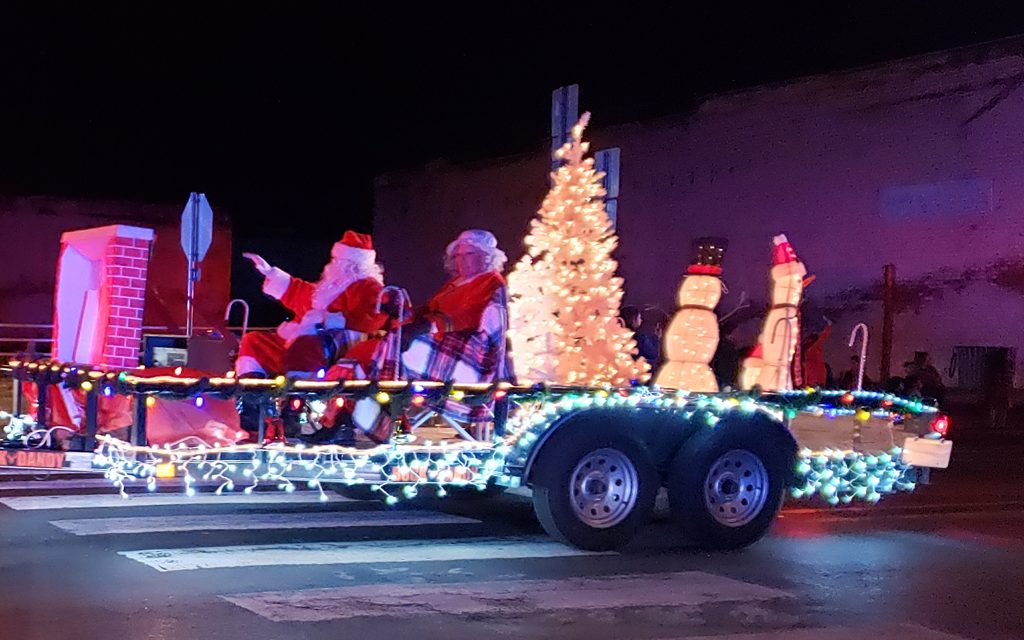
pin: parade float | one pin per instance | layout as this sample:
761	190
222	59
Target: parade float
583	429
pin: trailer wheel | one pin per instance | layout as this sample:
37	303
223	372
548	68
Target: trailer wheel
595	488
726	488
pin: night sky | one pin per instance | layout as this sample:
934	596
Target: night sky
282	116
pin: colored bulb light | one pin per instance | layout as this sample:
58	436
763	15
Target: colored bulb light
940	425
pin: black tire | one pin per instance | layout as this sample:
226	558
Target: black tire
552	477
361	491
758	503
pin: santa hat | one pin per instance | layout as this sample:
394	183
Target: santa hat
355	247
783	251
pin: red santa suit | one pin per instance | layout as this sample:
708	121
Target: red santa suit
347	307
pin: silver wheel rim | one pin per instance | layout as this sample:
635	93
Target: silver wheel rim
604	488
736	488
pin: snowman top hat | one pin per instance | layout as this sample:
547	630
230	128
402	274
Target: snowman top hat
708	255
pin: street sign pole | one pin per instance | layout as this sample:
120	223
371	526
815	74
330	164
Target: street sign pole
196	236
193	251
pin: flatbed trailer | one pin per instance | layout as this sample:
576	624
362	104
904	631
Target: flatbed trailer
594	458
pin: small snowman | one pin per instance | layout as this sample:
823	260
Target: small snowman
692	336
769	364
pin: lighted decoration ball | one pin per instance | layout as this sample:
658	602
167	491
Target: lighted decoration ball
847	398
339	402
86	386
383	397
199	402
862	415
296	404
458	394
418	401
150	401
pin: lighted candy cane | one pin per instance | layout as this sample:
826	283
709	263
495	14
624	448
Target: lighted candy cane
863	329
402	297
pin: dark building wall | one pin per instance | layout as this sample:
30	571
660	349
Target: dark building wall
918	163
31	228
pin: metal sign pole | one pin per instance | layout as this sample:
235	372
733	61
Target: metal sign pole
192	255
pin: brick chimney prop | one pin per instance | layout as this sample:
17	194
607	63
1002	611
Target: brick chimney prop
101	290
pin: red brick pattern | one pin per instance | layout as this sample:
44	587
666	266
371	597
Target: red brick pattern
127	262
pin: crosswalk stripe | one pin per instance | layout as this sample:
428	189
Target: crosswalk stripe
113	500
687	588
55	485
318	553
58	486
236	521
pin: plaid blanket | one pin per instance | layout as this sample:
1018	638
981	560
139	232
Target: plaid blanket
458	356
345	339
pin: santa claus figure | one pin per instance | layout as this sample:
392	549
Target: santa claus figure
458	336
769	364
330	315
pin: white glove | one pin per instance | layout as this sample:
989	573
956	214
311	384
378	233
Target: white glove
257	261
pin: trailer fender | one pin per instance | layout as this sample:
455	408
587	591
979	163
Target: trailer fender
661	432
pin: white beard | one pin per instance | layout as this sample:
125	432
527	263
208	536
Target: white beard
327	291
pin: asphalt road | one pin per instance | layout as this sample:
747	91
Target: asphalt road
79	562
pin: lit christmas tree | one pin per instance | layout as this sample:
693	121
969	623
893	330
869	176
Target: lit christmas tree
564	295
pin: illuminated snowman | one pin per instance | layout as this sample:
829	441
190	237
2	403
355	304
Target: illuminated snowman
769	364
692	336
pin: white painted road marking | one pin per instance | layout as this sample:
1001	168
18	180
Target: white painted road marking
387	551
247	521
689	588
114	500
56	486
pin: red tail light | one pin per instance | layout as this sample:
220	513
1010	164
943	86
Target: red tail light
940	425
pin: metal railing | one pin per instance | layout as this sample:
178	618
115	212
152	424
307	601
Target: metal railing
36	340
